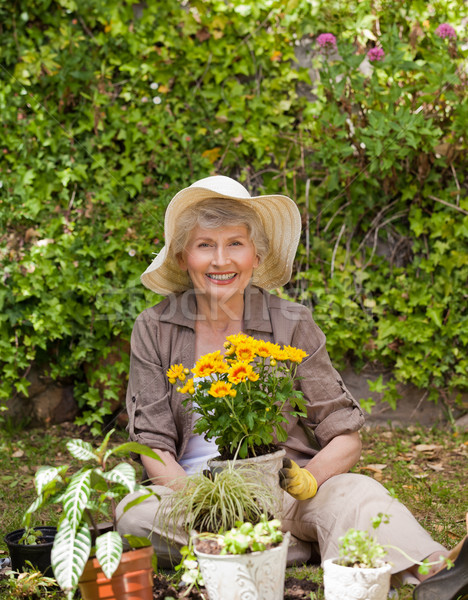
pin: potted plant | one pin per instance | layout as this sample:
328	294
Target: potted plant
248	561
33	545
217	501
360	571
243	399
87	495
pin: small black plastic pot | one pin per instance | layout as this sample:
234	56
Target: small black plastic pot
37	554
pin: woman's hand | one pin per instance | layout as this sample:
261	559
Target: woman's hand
168	473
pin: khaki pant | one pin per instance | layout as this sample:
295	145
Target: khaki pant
343	502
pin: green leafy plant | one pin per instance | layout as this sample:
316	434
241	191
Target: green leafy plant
31	536
87	494
30	583
243	398
245	537
358	548
216	502
361	549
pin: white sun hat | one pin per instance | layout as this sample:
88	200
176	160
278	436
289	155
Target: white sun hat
280	217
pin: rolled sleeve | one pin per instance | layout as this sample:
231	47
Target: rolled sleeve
148	395
331	409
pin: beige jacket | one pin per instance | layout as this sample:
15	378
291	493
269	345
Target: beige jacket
164	335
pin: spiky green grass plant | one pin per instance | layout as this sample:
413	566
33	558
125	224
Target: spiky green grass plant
216	503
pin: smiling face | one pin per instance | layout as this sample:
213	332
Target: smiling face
219	261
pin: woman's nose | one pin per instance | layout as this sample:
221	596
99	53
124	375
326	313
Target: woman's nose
221	256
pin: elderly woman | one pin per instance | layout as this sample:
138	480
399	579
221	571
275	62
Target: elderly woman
224	250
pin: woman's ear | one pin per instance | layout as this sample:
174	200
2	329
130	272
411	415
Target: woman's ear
257	261
181	261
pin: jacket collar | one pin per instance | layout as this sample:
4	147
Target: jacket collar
181	309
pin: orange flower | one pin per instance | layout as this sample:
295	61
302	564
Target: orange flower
220	389
240	371
264	349
210	363
245	351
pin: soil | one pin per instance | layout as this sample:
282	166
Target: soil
294	589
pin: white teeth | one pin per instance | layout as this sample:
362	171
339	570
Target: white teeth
221	277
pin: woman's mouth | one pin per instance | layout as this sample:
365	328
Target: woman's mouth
222	277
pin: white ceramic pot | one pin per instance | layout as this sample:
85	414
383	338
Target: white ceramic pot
353	583
268	466
255	576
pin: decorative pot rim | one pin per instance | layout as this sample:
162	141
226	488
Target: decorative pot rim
252	459
334	561
278	548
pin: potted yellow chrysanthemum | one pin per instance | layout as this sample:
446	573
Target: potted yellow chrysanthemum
242	398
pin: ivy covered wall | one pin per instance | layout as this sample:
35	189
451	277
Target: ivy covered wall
108	108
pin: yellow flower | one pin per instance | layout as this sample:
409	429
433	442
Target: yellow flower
187	387
245	351
210	363
264	349
294	354
237	338
175	372
278	353
240	371
220	389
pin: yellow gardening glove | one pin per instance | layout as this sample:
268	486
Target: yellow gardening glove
296	481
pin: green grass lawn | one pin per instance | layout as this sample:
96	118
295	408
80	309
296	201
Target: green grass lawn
426	469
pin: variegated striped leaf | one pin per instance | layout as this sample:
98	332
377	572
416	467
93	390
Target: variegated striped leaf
76	496
124	474
81	450
69	555
45	475
109	552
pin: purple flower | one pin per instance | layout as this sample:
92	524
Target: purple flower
375	54
445	31
327	41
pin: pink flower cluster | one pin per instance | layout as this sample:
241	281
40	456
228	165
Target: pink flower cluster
327	41
445	31
375	54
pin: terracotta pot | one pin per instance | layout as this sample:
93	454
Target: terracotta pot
133	579
254	576
355	583
268	466
37	554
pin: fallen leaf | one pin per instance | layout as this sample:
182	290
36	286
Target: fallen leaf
379	467
435	466
18	454
427	447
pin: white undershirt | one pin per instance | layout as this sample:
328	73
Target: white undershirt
198	450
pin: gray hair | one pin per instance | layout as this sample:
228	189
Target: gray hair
219	212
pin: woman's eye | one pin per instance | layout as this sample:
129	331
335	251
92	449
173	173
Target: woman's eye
236	244
203	245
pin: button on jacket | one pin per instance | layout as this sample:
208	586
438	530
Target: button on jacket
164	335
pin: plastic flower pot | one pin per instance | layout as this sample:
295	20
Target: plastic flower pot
268	466
37	554
258	575
133	579
355	583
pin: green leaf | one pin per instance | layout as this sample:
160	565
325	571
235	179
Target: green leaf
76	496
134	447
109	552
123	474
135	541
69	555
81	450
